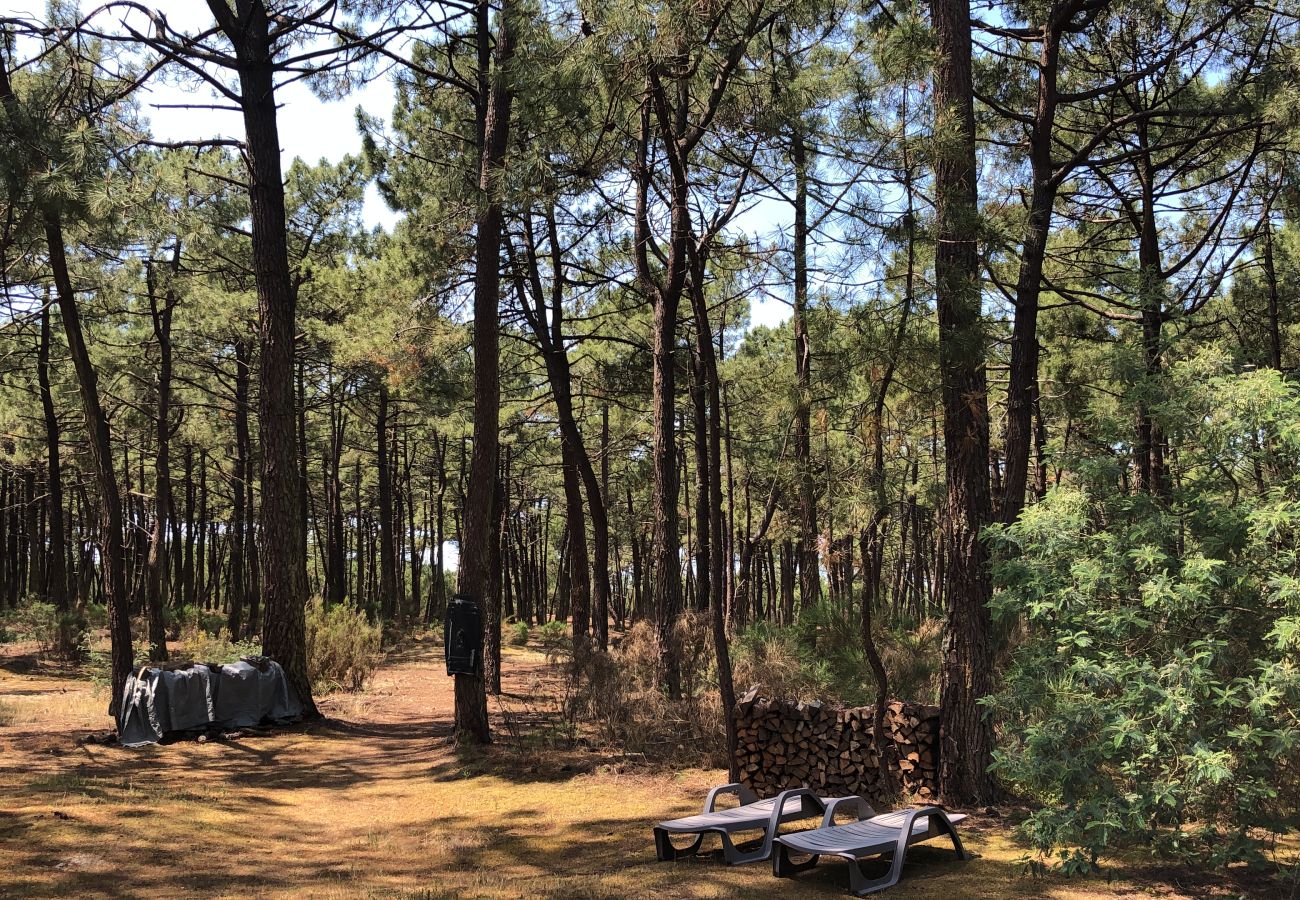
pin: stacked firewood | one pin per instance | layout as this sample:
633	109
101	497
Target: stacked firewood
782	744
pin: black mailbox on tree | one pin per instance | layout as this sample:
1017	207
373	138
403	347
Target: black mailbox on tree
463	634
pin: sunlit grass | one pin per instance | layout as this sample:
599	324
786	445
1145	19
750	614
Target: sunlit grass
383	806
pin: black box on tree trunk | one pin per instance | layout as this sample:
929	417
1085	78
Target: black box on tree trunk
463	636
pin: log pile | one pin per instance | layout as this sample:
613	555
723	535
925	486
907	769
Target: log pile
782	744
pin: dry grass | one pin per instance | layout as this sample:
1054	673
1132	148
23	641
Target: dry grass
376	803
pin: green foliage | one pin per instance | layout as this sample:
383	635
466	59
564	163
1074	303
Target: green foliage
342	647
33	621
1154	699
518	636
184	618
96	615
54	633
621	693
821	657
204	646
553	634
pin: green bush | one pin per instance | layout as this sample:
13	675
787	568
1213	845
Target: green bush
621	694
554	635
1154	696
96	615
180	618
55	633
821	657
518	636
342	647
201	645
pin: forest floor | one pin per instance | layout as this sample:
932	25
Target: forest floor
375	801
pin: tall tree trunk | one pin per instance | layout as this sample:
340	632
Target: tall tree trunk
966	738
336	587
187	564
1023	387
201	540
666	298
112	553
437	590
35	549
240	512
359	599
384	473
809	568
579	571
886	750
600	526
284	549
1274	318
157	561
1152	474
711	499
9	551
56	572
480	521
416	549
547	323
700	415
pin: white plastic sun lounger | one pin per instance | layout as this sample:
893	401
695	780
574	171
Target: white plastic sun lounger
889	833
752	815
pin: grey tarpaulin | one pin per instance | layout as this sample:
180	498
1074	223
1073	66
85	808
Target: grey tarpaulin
158	701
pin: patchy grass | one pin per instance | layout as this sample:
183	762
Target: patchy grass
375	802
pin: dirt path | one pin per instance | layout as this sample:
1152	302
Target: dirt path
375	802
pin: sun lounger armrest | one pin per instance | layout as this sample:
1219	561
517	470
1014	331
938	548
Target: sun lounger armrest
939	824
809	798
860	808
742	792
927	812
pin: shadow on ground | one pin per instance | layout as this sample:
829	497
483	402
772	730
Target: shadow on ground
375	801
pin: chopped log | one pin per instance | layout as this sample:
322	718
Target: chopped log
785	744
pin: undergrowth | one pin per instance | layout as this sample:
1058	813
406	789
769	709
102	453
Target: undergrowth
621	694
60	635
342	647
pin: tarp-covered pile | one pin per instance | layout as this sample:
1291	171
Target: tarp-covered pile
200	697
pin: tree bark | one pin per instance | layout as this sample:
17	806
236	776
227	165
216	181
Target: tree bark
56	572
157	561
239	512
966	738
1022	389
112	552
810	582
283	553
711	498
384	472
480	529
1274	318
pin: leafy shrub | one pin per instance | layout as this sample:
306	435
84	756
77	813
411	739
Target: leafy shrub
180	618
553	634
342	647
36	621
620	694
200	645
518	634
55	633
1154	697
821	657
95	615
913	658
